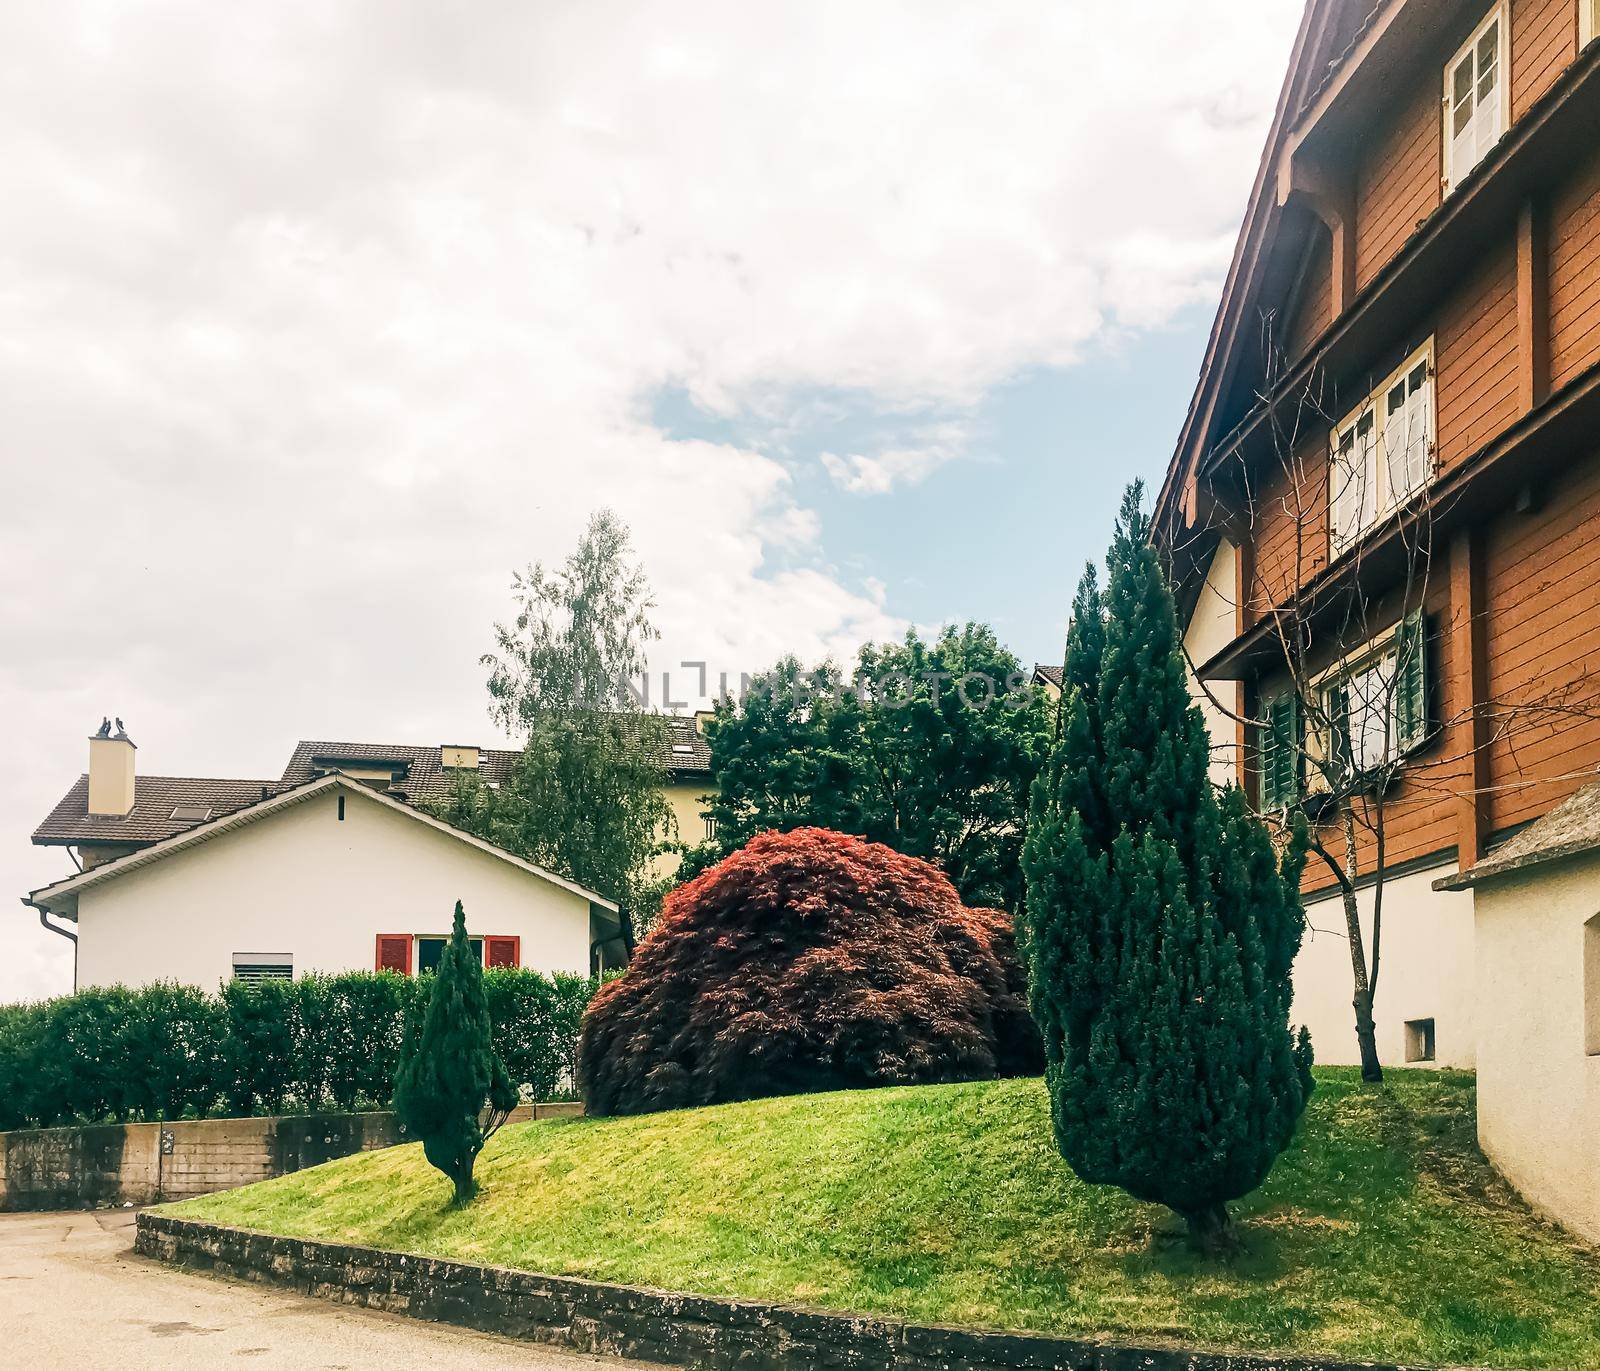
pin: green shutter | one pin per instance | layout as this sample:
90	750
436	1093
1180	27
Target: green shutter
1411	683
1339	762
1279	752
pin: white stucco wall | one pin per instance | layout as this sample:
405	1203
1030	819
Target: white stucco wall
1538	1087
1212	626
1426	972
304	882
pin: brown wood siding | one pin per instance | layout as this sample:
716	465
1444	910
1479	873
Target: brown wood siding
1475	354
1315	310
1290	530
1544	41
1575	275
1397	180
1543	581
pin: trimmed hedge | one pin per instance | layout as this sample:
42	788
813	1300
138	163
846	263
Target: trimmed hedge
171	1051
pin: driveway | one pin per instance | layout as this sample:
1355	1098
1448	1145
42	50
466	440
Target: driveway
73	1297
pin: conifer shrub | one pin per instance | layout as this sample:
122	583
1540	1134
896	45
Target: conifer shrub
805	961
1161	923
453	1092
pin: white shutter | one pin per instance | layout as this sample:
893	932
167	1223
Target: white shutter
1459	103
1474	99
1344	493
1419	427
1407	439
1490	102
1367	465
1395	441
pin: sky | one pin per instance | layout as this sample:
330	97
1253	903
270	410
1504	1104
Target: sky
320	320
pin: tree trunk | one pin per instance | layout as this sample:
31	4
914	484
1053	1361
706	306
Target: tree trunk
1211	1230
466	1187
1367	1038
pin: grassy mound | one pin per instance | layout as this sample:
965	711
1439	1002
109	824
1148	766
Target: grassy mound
1381	1233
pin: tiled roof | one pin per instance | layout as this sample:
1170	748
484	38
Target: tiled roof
154	800
425	775
1571	828
1050	673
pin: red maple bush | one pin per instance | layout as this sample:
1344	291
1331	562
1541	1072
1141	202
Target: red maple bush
806	961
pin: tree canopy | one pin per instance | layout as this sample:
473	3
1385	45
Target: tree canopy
928	747
585	798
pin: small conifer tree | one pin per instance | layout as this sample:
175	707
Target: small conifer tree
1160	923
445	1085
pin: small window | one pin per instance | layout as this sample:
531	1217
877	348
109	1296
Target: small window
683	749
1383	452
711	826
1591	986
191	814
1588	22
1419	1040
1476	95
263	966
431	949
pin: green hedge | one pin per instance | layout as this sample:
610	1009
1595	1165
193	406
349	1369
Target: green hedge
315	1043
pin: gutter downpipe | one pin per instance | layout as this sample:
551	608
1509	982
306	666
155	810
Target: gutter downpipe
44	920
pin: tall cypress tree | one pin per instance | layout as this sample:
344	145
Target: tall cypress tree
1160	924
444	1085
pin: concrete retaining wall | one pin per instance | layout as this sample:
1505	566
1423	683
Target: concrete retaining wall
145	1163
653	1325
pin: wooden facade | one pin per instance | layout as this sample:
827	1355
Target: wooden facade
1360	251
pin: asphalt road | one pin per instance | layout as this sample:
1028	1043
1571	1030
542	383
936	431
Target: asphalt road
74	1297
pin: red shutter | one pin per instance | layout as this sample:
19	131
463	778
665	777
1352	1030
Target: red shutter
504	951
394	952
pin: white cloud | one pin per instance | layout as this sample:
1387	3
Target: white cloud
880	472
321	318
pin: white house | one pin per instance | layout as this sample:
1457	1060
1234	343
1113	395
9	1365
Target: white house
327	873
1536	907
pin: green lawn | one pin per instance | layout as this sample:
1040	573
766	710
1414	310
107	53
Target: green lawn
1381	1234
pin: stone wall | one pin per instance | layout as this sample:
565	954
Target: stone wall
145	1163
653	1325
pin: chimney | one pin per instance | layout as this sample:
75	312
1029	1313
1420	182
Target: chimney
458	757
111	771
702	717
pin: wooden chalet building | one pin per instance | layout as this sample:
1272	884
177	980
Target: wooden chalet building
1390	474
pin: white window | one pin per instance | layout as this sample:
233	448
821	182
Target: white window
1383	453
1375	705
1477	97
263	966
1588	22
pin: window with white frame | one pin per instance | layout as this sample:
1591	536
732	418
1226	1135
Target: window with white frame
1383	452
1477	98
1588	22
1375	705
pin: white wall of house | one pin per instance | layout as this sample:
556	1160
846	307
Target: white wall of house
1212	626
1539	1042
1426	972
304	882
